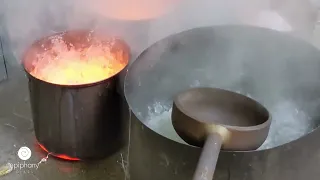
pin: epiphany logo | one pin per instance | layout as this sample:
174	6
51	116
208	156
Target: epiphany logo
24	153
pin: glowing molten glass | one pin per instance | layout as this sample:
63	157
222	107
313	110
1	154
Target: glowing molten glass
60	156
64	64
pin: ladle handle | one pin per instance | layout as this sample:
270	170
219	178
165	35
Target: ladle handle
208	158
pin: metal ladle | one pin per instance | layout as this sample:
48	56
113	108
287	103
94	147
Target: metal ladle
218	119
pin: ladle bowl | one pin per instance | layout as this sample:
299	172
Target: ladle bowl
216	119
195	110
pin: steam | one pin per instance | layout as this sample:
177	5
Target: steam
27	21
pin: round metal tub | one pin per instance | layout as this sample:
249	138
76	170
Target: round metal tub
279	71
76	121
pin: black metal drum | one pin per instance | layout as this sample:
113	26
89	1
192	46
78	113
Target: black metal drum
80	121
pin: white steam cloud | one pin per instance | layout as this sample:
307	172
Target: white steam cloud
26	21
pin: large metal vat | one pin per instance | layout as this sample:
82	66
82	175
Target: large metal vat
281	72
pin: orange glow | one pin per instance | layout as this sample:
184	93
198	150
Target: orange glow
74	67
60	156
76	58
132	9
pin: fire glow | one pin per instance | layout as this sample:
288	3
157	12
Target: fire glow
60	156
65	64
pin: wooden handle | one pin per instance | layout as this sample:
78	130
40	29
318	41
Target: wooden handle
208	158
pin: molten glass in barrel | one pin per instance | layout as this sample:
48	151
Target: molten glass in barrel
66	65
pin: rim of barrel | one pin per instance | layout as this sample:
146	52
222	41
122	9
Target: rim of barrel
124	46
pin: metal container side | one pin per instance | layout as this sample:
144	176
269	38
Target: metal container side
79	121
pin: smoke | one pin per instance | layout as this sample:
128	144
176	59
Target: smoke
26	21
